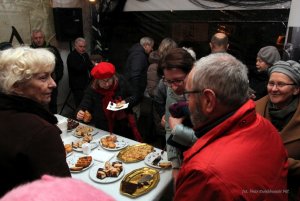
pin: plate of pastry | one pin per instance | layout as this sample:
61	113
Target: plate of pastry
79	163
83	130
158	159
77	145
112	142
107	172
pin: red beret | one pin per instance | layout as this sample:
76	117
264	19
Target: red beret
103	70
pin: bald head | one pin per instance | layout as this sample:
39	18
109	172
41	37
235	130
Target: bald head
219	43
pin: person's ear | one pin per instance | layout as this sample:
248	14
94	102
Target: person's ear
17	89
209	101
211	46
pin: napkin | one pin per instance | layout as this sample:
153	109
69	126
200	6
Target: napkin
102	156
112	106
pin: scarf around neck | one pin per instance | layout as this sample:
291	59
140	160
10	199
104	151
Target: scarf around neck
108	95
280	117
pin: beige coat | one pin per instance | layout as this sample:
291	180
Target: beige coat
290	135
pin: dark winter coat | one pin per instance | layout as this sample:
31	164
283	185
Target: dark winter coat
30	144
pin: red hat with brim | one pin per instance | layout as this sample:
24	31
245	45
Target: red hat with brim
103	70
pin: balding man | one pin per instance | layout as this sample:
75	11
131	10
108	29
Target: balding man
219	43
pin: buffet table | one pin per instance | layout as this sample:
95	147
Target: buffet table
113	189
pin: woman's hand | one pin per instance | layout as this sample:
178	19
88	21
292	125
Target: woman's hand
80	115
174	121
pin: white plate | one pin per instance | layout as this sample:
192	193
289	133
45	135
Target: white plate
112	106
93	175
73	132
71	161
93	143
120	144
152	156
102	155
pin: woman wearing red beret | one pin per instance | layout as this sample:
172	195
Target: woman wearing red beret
108	86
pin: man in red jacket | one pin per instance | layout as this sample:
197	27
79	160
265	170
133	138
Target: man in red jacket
239	155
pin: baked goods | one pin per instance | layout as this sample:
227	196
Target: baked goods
110	170
81	163
109	141
71	124
129	187
135	152
87	117
84	161
165	164
119	104
86	139
83	130
68	148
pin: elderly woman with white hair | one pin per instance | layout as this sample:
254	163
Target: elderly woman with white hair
30	143
282	107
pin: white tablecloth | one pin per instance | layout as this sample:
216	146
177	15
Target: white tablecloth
113	189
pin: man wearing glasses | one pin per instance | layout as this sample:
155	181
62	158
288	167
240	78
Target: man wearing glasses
239	155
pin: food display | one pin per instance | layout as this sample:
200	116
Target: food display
158	159
87	117
71	124
109	141
112	142
86	139
79	163
139	182
107	172
135	153
82	130
110	170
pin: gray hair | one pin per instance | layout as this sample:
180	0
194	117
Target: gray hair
146	40
34	31
21	63
79	40
225	75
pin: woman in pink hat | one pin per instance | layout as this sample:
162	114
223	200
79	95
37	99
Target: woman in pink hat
106	87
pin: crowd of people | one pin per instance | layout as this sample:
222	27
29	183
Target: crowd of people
229	136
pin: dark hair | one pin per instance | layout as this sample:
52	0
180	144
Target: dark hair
177	58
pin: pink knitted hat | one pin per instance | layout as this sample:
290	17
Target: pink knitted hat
50	188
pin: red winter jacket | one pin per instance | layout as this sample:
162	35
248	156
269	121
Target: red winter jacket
242	158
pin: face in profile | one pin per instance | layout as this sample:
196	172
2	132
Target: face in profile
38	88
281	89
261	65
38	39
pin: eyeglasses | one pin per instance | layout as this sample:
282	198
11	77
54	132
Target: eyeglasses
186	94
170	82
279	85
